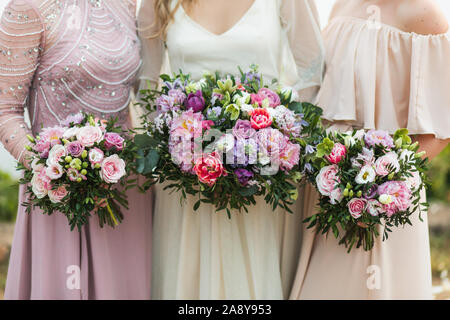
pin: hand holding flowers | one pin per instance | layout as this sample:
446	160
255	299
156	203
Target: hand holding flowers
366	180
77	166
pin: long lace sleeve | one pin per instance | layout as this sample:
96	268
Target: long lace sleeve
301	24
21	36
152	48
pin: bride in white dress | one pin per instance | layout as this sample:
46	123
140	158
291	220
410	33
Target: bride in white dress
204	254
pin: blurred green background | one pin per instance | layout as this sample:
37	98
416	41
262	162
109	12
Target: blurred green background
439	217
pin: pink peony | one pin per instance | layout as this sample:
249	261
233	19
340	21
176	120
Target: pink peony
337	154
260	119
89	135
56	196
112	140
272	97
400	195
327	180
356	207
379	137
256	99
209	168
56	154
389	160
289	156
113	169
52	135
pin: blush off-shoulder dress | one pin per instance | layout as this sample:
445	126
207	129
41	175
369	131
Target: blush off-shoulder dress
378	77
203	254
58	57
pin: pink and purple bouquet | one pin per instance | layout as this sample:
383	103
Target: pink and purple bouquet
76	168
227	139
369	182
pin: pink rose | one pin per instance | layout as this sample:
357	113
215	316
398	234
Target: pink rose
96	156
209	168
56	154
40	184
327	180
260	119
356	207
272	97
207	124
337	154
113	139
336	196
57	195
387	163
113	169
89	135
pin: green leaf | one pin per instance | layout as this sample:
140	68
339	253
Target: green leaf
145	141
297	107
151	161
247	192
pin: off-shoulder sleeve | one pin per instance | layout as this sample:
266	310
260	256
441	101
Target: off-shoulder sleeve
21	37
301	24
152	48
429	108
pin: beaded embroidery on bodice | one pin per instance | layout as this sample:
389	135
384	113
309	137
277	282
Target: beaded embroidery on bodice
66	56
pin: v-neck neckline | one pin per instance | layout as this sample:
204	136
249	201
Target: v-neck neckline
204	29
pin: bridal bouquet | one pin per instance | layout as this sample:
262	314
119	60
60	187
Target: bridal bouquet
76	169
227	139
366	180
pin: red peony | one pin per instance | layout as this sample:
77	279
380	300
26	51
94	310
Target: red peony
337	154
209	168
260	119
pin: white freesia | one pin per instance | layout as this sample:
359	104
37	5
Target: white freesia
247	108
366	175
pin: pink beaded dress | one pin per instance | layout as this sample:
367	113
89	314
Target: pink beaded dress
58	57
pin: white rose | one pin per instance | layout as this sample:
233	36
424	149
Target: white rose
39	185
414	182
70	133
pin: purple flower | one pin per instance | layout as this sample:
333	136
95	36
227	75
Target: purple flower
75	148
165	103
251	76
309	149
73	118
243	176
215	97
195	101
113	139
178	96
372	192
243	129
379	137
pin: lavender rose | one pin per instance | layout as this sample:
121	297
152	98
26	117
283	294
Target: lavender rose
195	101
75	148
243	129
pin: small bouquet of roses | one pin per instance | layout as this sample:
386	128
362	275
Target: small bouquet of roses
76	169
227	139
366	180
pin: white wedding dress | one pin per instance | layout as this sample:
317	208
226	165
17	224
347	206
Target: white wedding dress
204	254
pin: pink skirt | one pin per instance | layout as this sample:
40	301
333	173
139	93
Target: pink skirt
48	261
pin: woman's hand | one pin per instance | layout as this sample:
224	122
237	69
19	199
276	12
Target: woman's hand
432	146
